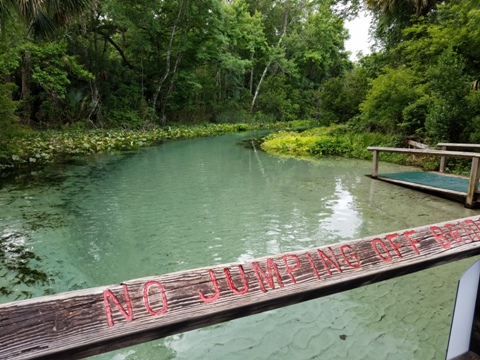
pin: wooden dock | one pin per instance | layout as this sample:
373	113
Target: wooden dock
86	322
439	183
449	186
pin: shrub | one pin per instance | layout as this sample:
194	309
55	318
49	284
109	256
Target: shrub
9	122
324	141
390	94
340	97
450	112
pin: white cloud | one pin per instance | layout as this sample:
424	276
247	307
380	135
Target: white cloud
359	39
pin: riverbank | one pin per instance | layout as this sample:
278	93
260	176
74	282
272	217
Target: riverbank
37	149
339	140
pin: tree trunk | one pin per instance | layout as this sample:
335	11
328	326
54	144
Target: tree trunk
284	31
170	88
218	81
169	54
95	103
251	73
257	90
27	106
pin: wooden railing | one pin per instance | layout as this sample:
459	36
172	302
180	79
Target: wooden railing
87	322
474	170
445	146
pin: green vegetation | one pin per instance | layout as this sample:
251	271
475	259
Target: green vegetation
141	63
339	141
113	70
420	81
37	148
324	141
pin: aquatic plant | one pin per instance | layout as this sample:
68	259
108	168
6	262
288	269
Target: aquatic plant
40	148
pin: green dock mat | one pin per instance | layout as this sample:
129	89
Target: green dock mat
429	179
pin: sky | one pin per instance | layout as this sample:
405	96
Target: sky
358	29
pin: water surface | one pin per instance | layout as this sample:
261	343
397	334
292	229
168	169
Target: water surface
192	203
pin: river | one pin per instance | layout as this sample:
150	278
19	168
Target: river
191	203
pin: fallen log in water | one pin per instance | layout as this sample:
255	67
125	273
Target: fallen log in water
91	321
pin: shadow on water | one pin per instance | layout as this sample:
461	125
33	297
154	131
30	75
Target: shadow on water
55	174
19	267
23	271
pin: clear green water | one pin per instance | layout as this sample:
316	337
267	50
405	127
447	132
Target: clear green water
192	203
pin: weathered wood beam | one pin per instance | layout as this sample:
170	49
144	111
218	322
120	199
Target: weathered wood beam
417	144
459	145
86	322
460	154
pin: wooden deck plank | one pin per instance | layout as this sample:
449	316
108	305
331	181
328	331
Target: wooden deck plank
437	181
445	185
450	194
417	144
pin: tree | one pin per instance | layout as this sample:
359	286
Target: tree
449	117
397	8
389	95
275	51
8	118
129	64
42	17
393	16
340	97
39	19
308	49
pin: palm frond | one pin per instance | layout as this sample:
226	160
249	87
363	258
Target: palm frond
42	25
6	7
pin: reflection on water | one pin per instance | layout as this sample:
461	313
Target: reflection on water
344	220
187	204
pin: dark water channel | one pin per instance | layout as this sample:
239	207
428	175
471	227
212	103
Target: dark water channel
191	203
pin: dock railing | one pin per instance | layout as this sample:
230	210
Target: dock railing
472	189
86	322
445	146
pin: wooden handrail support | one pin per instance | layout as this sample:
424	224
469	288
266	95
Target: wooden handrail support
445	146
87	322
474	171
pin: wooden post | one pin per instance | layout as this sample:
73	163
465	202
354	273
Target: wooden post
472	184
91	321
443	161
375	164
